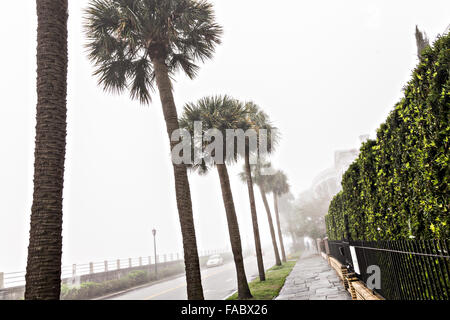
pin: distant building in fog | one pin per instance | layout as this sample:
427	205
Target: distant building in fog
328	183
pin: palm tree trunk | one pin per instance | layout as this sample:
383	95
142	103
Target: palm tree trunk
280	235
233	229
272	230
251	195
43	276
183	192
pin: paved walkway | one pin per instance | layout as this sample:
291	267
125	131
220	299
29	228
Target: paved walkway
313	279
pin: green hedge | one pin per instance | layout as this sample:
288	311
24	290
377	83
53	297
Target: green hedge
398	187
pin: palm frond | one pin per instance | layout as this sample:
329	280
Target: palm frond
113	75
142	79
181	61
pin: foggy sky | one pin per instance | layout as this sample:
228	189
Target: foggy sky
325	71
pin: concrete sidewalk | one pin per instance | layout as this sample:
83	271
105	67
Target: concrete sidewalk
313	279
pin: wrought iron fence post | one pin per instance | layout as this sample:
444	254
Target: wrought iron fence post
411	270
327	247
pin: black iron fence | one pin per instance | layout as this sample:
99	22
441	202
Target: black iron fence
407	270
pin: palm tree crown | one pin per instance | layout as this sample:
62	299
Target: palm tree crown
220	113
259	120
279	183
125	36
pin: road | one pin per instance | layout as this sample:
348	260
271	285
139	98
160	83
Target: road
218	283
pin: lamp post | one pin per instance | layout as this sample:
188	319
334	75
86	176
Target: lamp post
154	247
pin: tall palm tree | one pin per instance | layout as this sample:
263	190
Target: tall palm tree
261	176
256	120
135	43
221	113
43	276
279	186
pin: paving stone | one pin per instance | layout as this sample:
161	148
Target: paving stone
314	288
291	290
305	289
299	284
326	291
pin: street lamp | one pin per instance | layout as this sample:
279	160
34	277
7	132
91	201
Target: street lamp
154	246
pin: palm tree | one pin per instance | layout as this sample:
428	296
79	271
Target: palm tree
221	113
43	276
256	120
287	208
135	43
279	186
261	176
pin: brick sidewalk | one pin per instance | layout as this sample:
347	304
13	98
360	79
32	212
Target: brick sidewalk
313	279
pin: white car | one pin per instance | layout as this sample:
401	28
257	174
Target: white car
214	261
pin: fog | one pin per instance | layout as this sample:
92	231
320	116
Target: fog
325	71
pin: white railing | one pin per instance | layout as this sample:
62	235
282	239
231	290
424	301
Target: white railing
17	279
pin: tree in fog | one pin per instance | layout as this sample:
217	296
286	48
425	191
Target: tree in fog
279	186
288	217
43	275
219	114
134	44
309	214
257	120
261	174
